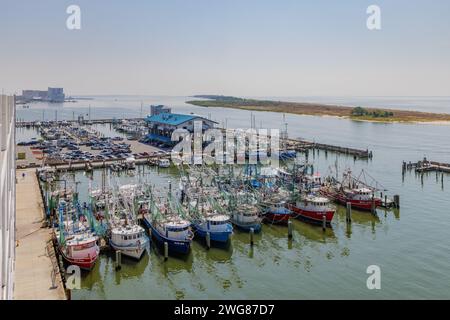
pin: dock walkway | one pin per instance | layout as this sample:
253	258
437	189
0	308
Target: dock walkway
34	255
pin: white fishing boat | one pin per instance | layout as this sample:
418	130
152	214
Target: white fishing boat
130	163
131	240
164	163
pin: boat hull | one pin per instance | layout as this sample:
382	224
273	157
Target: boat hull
175	245
277	218
312	216
246	227
364	205
135	252
217	236
84	263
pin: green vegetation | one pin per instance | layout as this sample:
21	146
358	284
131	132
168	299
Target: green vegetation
317	109
362	112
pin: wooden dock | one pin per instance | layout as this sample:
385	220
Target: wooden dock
36	273
98	164
426	166
32	124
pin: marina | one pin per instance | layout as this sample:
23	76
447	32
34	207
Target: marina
182	250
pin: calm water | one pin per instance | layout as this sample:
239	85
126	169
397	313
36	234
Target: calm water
410	246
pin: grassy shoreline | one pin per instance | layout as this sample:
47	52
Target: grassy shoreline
316	109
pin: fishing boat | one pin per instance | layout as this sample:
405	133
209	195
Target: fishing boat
76	242
171	229
313	208
359	198
46	174
352	190
274	204
246	217
130	163
164	163
126	234
130	240
217	225
277	213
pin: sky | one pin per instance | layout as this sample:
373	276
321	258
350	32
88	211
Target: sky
232	47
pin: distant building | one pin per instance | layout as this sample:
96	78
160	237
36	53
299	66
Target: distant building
55	95
33	95
51	95
7	196
162	125
157	109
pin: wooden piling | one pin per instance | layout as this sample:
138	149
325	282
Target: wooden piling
118	260
290	229
208	240
166	251
252	233
324	222
397	201
348	214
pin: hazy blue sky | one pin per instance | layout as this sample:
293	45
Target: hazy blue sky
242	47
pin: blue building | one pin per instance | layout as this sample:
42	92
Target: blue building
162	125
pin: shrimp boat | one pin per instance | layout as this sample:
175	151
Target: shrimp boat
313	208
276	209
216	224
246	217
129	239
245	213
208	220
164	163
173	230
126	234
351	190
76	242
277	213
166	226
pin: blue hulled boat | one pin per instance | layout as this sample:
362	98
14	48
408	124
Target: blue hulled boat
173	230
218	226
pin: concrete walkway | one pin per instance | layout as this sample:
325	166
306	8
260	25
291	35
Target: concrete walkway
33	267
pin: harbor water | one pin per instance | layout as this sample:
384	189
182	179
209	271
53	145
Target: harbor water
410	245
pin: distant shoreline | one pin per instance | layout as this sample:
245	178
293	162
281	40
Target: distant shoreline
318	109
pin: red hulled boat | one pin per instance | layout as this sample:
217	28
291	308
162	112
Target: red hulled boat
313	208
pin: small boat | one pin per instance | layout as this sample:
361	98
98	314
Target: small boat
217	225
130	163
246	217
277	213
46	174
313	208
164	163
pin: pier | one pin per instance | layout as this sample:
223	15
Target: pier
426	166
33	124
304	146
36	273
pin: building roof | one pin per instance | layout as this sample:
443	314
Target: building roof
173	119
